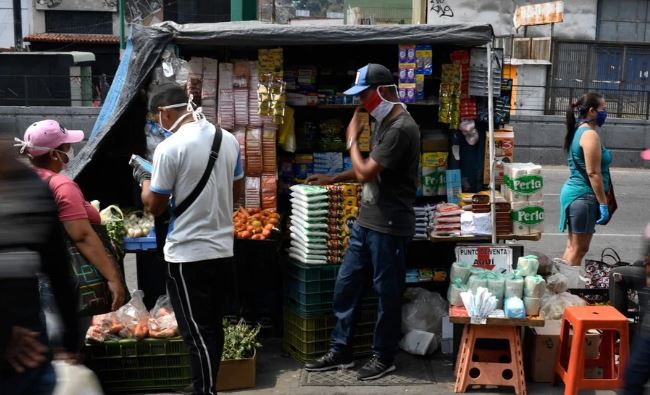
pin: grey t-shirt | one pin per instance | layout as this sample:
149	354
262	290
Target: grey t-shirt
387	202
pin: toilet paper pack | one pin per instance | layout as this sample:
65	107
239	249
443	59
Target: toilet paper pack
527	218
523	182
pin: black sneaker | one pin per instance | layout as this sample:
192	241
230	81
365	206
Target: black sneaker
330	361
375	369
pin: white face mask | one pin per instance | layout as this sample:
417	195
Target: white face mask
197	114
385	107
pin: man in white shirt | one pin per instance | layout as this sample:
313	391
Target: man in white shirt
200	238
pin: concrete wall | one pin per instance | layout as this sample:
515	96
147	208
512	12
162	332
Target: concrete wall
579	16
15	120
7	17
539	139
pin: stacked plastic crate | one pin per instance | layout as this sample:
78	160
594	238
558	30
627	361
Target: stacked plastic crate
308	318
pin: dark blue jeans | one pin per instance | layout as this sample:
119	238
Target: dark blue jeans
637	372
39	381
376	259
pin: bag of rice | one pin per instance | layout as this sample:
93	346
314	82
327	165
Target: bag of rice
534	286
310	236
297	203
295	220
309	199
308	190
514	286
309	214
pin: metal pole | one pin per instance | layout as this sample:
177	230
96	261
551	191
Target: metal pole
122	39
491	142
18	25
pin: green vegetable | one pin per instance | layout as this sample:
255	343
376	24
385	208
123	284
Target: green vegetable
113	219
240	340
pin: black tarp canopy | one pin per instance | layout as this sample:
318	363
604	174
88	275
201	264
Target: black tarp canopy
146	45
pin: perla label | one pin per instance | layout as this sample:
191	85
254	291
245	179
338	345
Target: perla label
531	215
525	184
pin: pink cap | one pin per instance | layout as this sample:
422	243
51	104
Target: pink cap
49	134
646	154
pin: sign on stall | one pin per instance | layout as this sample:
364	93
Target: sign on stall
496	258
539	14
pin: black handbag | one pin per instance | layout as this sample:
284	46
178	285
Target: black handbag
92	288
598	271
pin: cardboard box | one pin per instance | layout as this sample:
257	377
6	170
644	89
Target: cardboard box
504	147
236	374
542	345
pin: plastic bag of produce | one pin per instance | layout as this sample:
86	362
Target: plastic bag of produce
553	305
527	265
460	270
534	287
514	285
162	321
103	327
133	317
453	294
424	311
557	283
514	308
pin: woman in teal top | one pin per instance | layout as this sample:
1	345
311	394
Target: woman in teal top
583	197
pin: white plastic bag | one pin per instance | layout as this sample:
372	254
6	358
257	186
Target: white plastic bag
480	304
75	380
419	343
557	283
424	312
133	316
514	308
553	305
162	321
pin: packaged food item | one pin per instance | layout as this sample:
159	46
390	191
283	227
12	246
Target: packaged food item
514	286
532	306
527	265
269	192
253	189
534	286
453	294
460	271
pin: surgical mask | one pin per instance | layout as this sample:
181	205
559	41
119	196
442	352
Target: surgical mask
196	113
601	116
69	154
379	107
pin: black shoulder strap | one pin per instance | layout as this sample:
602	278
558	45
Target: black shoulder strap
214	155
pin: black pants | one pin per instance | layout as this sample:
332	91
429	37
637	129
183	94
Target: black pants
196	291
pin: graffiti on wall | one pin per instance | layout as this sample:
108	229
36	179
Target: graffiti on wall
441	8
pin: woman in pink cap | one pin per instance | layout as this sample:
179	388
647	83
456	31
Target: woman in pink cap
49	148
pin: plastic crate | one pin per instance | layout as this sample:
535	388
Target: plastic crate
317	310
357	352
312	298
139	244
148	365
304	272
312	286
324	321
321	347
320	335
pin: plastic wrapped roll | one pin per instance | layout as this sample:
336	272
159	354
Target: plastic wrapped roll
534	286
514	308
475	281
460	271
496	284
453	295
527	265
532	305
514	286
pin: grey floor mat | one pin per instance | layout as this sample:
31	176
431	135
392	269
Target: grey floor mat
411	370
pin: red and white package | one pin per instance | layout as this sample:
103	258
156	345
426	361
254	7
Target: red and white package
254	164
269	192
269	151
253	189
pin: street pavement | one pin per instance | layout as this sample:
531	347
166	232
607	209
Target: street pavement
279	374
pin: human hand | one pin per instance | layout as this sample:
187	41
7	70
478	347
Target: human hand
319	179
117	293
604	214
25	351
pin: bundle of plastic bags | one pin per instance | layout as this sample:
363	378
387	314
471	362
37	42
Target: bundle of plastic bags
514	285
527	265
461	271
453	294
496	284
479	304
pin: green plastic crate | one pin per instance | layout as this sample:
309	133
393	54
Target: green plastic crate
324	345
358	352
324	321
320	335
314	298
316	310
147	365
312	286
304	272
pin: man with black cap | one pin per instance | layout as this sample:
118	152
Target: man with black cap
385	225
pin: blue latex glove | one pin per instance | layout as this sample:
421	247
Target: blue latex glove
604	214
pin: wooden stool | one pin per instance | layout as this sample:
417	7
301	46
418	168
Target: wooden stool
487	367
570	362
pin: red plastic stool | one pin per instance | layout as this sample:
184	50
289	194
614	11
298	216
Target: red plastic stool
570	363
490	367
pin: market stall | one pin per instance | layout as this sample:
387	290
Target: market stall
278	90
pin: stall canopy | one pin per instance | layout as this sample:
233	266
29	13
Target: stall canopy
146	45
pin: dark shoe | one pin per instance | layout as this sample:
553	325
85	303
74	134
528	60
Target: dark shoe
330	361
189	390
375	368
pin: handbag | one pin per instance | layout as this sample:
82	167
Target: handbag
92	288
611	197
598	271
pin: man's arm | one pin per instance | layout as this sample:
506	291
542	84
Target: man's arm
322	179
154	202
365	170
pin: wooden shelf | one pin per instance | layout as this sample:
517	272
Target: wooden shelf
458	315
464	239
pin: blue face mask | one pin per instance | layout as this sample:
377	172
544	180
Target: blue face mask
601	117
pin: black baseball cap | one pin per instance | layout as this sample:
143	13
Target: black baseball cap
372	74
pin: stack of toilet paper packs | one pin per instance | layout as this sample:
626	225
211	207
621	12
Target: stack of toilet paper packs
522	187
